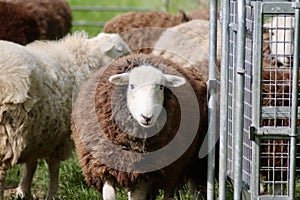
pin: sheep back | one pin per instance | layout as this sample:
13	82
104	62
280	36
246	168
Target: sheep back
54	17
141	29
95	124
187	44
17	25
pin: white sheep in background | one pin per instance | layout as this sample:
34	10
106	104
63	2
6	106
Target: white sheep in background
138	124
37	84
187	44
281	36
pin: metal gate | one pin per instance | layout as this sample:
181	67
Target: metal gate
259	99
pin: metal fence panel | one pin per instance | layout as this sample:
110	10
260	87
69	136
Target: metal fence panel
271	118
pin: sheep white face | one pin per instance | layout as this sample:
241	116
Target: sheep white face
145	92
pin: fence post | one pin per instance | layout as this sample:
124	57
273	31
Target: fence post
224	76
295	82
239	111
165	5
213	98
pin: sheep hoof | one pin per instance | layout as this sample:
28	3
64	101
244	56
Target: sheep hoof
20	193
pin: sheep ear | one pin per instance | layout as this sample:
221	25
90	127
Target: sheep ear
174	81
101	42
119	79
107	45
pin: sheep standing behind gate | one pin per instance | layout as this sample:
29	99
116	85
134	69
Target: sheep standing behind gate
38	83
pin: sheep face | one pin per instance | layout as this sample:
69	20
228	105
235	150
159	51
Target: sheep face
112	46
145	92
281	30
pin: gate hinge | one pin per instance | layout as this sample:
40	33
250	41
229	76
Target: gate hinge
296	5
252	132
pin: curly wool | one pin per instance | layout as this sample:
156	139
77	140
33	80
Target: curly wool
54	18
140	30
17	25
187	44
93	143
37	85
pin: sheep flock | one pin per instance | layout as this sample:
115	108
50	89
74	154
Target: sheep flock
44	70
137	121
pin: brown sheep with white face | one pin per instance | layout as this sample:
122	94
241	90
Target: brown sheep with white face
118	148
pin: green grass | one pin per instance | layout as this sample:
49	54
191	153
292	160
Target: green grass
103	16
71	183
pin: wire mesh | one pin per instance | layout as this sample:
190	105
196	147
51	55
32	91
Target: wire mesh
276	101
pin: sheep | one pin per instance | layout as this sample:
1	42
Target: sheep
281	36
54	17
37	84
17	25
201	13
141	29
122	140
187	44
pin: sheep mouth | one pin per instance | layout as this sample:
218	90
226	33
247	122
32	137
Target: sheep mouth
146	124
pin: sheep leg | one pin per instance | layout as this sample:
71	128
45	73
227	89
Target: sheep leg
53	164
108	190
25	184
140	192
2	179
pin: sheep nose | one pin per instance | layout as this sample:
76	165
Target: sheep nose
147	119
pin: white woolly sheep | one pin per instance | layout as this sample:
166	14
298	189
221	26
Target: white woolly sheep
281	37
37	84
54	17
139	124
140	30
187	44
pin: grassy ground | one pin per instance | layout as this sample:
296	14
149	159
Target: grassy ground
72	184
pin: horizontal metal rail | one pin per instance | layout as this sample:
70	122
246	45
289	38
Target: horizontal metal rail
111	9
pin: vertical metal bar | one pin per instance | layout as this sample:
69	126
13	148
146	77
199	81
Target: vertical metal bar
224	88
212	103
239	111
256	98
165	5
293	136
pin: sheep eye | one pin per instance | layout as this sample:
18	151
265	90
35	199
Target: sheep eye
131	86
161	87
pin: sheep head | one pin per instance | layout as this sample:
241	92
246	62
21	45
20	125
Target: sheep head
145	92
112	46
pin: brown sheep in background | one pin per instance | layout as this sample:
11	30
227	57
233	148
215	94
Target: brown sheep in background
17	25
54	17
140	30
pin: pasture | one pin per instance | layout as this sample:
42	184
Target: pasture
71	181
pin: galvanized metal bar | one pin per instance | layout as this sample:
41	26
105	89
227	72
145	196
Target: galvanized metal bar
294	114
165	5
212	103
111	9
224	88
256	95
239	111
91	24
